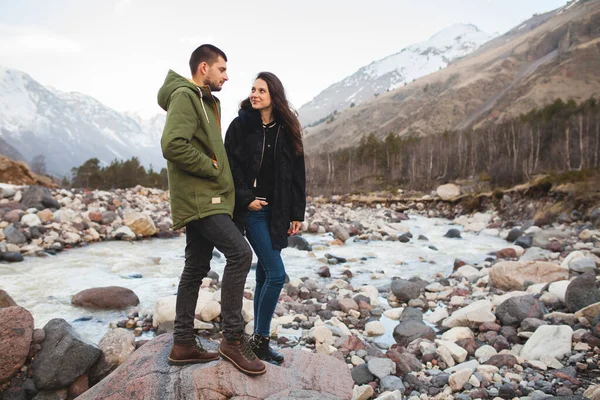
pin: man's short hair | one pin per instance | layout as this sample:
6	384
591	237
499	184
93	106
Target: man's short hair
206	53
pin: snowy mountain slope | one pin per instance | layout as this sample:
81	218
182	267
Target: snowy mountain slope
393	71
70	128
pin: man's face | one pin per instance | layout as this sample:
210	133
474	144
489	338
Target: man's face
216	75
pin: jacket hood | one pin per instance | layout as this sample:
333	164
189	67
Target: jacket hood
173	81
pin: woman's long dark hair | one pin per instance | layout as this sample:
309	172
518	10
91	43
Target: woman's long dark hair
283	112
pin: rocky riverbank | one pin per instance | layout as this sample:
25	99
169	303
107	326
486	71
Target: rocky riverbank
524	323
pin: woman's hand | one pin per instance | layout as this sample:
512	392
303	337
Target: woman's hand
295	228
257	205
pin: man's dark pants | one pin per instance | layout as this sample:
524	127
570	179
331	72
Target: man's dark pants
202	236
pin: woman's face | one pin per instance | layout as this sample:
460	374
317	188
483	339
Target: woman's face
260	98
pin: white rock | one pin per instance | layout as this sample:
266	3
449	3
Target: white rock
363	392
448	191
127	233
201	325
320	334
458	333
469	272
31	220
248	310
164	310
551	362
458	379
436	316
559	289
394	313
374	328
355	360
458	353
446	356
471	316
426	347
537	364
548	340
211	311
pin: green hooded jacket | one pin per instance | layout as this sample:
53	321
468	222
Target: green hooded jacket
200	182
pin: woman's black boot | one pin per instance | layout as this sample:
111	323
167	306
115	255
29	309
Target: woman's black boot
260	346
275	355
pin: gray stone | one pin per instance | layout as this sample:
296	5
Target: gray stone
381	367
453	234
392	383
39	197
524	241
14	236
11	256
534	254
514	234
298	242
339	232
108	217
582	292
407	331
531	324
515	309
64	356
361	375
405	290
583	264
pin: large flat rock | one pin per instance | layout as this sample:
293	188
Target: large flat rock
147	375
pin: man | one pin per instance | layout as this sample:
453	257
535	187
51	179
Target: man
202	199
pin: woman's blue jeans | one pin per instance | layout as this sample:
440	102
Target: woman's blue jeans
270	271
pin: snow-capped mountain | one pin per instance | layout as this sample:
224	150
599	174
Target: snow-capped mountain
70	128
393	71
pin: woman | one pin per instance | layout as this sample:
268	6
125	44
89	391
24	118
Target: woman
264	146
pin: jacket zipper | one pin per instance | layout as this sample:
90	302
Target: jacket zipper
261	155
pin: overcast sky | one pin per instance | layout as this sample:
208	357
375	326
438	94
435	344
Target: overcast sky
119	51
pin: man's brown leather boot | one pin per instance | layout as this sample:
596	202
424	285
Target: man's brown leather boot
238	351
182	354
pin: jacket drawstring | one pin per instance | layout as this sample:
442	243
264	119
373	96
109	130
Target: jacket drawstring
203	108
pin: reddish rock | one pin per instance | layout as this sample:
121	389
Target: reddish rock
146	375
46	215
95	216
457	264
502	360
347	305
506	253
405	362
555	246
351	343
16	332
324	272
6	300
106	298
363	305
13	216
489	326
79	386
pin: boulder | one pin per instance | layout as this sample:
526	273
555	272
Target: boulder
38	197
16	333
146	375
515	309
590	312
14	236
552	340
448	191
64	356
106	298
140	224
516	275
405	290
341	233
117	345
582	292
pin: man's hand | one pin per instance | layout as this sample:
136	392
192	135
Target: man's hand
294	228
257	205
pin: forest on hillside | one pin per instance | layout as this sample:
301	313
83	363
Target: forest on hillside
564	136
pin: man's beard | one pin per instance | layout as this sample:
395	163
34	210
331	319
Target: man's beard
214	87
